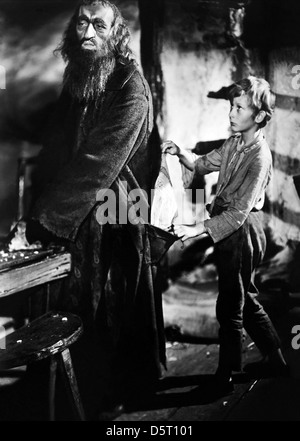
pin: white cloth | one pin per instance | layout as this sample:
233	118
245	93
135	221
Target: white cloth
171	201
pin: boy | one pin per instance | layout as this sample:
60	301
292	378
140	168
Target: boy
244	163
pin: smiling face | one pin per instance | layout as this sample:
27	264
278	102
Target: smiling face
93	28
241	115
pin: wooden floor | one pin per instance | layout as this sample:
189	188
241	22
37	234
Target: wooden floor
185	390
191	367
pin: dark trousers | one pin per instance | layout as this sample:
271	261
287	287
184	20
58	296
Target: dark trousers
237	307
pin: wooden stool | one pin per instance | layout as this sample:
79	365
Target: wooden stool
47	336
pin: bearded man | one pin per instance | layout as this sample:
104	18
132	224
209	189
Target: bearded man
101	137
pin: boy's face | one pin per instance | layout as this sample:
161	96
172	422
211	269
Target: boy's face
241	115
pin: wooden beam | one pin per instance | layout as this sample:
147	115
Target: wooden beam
236	4
151	20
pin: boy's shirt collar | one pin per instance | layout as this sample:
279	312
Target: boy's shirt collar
242	148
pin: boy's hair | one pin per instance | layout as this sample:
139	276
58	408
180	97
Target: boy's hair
259	94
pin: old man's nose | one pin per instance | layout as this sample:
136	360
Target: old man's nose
90	31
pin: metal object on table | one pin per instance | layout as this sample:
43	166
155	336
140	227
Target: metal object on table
21	257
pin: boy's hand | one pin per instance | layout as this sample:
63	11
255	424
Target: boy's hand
170	147
185	232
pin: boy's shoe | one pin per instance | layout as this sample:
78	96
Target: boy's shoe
215	389
223	385
111	413
265	369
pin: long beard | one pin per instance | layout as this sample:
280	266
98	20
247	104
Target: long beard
86	73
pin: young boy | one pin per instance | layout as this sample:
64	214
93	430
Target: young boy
244	163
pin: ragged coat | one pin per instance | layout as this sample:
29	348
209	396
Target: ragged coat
115	277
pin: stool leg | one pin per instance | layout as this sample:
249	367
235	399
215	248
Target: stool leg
70	378
52	382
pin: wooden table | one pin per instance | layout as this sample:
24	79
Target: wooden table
35	273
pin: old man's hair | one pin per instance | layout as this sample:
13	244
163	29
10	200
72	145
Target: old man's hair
120	36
